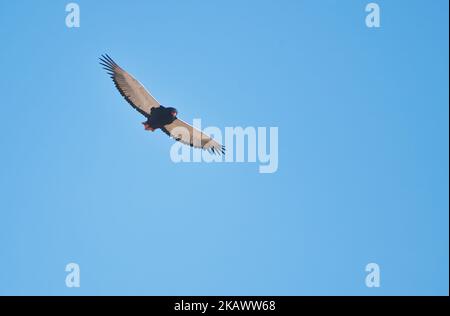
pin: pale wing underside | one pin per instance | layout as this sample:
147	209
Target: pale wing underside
131	89
187	134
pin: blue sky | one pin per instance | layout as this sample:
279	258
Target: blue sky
363	149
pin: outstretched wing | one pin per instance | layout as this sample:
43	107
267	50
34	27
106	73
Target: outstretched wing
187	134
131	89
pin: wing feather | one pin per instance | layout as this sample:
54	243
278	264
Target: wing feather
131	89
187	134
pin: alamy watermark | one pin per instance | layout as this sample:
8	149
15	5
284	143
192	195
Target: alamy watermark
373	18
73	277
373	276
73	18
249	144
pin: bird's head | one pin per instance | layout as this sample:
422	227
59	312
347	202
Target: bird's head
173	111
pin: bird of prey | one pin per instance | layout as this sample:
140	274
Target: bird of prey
158	116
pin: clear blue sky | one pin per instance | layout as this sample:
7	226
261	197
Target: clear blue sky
363	148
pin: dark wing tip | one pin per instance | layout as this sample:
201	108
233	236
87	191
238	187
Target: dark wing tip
216	150
107	62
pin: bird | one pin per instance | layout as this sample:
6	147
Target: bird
157	116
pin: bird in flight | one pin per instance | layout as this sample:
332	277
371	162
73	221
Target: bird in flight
158	116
